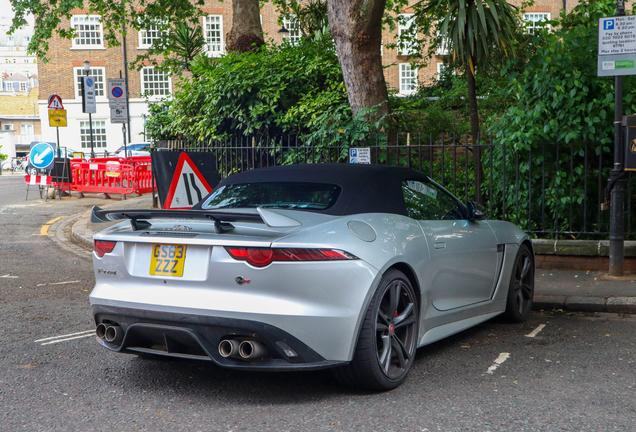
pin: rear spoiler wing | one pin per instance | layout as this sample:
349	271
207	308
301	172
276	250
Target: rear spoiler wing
139	217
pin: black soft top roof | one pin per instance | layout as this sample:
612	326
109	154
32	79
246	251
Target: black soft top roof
365	188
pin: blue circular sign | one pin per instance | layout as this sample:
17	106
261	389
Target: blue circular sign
117	92
89	81
42	155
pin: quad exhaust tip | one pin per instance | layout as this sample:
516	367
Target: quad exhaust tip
243	350
100	331
229	348
111	333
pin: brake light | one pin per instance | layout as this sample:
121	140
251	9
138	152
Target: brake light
262	257
103	247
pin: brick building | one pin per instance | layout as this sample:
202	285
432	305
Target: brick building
61	75
19	118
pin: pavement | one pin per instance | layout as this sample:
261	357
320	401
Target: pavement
566	290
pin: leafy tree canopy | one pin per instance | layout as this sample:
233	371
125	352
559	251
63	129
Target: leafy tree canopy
557	94
279	89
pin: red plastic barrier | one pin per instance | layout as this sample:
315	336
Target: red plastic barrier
38	180
143	179
113	175
107	159
92	176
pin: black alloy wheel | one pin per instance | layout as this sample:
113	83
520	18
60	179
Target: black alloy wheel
388	338
521	290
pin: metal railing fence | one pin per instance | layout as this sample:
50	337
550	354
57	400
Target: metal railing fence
551	190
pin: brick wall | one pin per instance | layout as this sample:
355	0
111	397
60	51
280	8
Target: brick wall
19	104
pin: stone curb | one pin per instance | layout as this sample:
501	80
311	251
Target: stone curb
80	232
590	248
586	304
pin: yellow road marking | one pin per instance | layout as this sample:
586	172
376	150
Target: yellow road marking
45	228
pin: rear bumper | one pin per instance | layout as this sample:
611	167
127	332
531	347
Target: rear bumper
198	337
320	304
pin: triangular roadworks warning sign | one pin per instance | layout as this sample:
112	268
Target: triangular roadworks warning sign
55	102
188	185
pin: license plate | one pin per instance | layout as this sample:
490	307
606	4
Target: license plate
167	260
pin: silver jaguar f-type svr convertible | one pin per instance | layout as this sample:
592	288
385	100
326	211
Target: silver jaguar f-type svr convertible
350	267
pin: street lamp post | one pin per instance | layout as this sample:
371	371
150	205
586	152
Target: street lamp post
87	72
617	203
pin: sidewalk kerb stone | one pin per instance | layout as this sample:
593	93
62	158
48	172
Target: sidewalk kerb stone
585	304
621	304
549	302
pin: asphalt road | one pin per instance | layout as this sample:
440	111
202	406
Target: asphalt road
577	372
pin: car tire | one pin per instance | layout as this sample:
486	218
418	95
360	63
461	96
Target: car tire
388	337
521	288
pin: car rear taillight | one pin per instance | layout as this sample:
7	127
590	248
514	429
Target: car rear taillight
261	257
103	247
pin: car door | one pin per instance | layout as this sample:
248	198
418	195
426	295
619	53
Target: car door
464	256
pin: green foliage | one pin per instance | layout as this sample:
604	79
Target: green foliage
429	118
159	123
184	44
470	30
2	156
558	98
558	95
274	91
310	15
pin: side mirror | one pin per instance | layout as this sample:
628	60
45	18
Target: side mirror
475	211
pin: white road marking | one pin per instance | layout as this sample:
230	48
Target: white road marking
68	339
66	335
8	276
58	283
536	331
498	361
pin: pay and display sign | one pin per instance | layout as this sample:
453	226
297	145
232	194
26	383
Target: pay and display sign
617	46
617	35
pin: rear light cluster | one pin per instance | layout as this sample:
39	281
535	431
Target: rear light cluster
103	247
261	257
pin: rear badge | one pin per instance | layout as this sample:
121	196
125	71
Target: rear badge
107	272
240	280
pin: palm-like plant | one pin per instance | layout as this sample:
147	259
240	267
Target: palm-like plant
186	43
471	31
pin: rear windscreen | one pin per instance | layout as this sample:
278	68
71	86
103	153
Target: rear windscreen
286	195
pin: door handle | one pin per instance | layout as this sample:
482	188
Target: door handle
440	245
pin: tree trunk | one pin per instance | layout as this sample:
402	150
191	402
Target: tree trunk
246	33
474	131
356	27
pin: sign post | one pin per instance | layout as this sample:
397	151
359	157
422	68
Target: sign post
617	57
57	116
89	104
117	104
42	158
